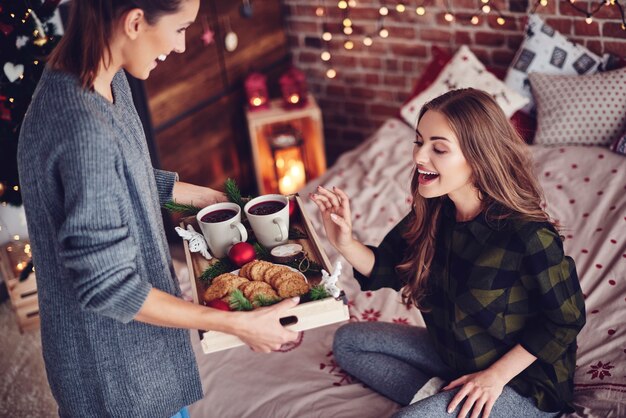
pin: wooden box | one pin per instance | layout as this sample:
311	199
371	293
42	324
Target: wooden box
306	315
23	294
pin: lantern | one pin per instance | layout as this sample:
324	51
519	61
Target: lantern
287	151
293	89
256	91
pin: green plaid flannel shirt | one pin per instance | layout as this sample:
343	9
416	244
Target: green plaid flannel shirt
492	287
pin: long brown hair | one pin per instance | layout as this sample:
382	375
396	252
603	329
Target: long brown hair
501	171
86	40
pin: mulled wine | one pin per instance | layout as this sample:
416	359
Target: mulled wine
266	208
220	215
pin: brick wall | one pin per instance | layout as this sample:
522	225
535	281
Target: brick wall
373	82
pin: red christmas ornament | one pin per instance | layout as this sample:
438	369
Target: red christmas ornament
219	304
241	253
293	205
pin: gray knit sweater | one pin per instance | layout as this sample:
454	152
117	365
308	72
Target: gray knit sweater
92	202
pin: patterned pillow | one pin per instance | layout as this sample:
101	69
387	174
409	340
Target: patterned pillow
464	70
586	109
619	145
547	51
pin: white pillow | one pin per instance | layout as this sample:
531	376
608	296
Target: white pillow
465	70
547	51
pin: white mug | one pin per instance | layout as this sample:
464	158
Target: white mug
224	229
270	229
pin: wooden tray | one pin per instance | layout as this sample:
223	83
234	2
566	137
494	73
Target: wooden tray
305	316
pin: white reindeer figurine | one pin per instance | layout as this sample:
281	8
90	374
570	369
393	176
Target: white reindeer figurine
196	241
329	281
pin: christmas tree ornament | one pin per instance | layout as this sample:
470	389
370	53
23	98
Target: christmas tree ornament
208	36
13	71
231	41
1	189
241	253
246	9
329	281
293	205
218	304
197	243
5	28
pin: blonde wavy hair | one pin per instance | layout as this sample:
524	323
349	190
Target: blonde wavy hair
501	171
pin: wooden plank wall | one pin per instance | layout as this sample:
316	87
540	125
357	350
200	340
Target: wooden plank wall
197	99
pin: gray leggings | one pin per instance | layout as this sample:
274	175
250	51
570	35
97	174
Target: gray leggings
397	360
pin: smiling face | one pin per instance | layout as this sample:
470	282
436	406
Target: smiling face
442	167
154	42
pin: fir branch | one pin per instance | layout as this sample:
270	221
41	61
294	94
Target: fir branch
261	252
233	193
238	302
183	209
220	267
296	233
318	292
261	300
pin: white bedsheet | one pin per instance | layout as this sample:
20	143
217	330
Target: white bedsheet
304	381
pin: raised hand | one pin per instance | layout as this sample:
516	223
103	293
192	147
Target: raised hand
335	209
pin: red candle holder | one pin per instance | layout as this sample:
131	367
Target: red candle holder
293	89
256	91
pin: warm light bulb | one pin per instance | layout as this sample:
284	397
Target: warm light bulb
294	98
448	17
384	11
347	30
256	101
485	1
16	237
35	62
16	188
342	5
319	11
384	33
11	99
500	20
544	3
400	7
589	20
486	8
348	45
325	56
331	73
367	41
347	22
421	11
474	20
327	36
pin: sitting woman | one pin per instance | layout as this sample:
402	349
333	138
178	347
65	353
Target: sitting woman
485	265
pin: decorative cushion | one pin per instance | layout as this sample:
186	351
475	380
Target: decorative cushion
586	109
619	145
547	51
465	70
440	58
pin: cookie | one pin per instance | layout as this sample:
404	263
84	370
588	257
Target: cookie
223	278
257	271
244	271
273	270
287	275
254	286
291	287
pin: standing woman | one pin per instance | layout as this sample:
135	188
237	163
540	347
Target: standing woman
482	261
111	315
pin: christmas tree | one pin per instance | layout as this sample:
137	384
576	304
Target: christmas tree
29	30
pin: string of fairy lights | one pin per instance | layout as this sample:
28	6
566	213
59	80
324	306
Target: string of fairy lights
347	28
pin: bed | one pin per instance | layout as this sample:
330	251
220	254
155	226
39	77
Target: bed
585	189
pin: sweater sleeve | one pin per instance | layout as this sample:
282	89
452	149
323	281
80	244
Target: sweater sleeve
96	245
165	184
387	255
552	280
